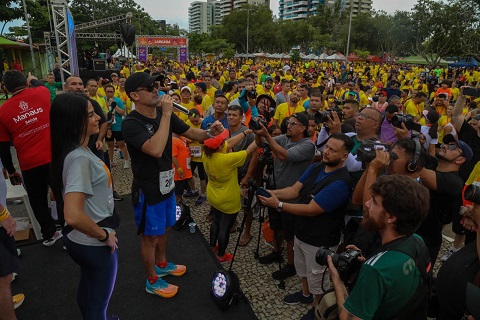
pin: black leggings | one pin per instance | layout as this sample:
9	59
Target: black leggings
220	229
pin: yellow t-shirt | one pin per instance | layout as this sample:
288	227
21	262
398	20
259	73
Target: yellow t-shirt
189	106
211	92
474	175
125	71
455	92
101	102
414	109
283	110
223	190
207	101
261	90
126	100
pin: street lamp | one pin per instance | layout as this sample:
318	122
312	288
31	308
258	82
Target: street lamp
349	30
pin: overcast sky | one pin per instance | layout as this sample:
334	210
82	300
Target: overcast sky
176	11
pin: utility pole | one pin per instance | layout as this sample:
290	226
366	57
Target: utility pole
349	30
29	36
248	26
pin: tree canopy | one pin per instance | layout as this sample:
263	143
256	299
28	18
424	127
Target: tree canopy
433	29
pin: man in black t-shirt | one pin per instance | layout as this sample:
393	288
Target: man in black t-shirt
445	187
148	133
466	133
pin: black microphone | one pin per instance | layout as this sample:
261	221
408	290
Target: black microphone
181	108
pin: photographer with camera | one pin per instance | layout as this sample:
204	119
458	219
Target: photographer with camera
293	153
445	187
322	192
407	158
389	278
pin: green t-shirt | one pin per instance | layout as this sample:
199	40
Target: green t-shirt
53	89
385	284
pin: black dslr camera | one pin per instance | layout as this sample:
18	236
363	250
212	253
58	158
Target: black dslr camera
322	116
409	121
251	94
346	262
368	151
254	123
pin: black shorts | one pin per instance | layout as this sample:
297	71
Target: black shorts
180	186
201	170
282	221
116	136
9	261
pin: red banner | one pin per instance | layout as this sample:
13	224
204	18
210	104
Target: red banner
162	41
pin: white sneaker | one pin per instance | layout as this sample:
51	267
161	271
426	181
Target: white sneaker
19	252
126	164
448	254
51	242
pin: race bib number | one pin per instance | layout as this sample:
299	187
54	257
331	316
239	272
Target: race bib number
189	166
166	181
196	151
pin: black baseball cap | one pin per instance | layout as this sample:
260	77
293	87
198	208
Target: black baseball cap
140	79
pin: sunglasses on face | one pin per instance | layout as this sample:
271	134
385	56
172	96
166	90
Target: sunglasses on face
293	123
149	88
451	147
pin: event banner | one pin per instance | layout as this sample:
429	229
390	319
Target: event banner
162	41
142	54
183	55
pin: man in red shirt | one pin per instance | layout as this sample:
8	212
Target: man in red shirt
25	120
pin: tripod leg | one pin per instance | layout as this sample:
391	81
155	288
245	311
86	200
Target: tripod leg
261	219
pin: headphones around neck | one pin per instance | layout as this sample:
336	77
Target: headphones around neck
412	165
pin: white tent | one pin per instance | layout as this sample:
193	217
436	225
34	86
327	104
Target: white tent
124	52
335	57
323	56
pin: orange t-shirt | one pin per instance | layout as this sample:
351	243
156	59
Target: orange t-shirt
181	152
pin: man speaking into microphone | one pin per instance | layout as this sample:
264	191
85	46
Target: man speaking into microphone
148	133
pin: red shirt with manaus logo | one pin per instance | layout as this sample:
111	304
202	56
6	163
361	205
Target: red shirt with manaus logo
25	120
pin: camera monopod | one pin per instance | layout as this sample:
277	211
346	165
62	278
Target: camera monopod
225	283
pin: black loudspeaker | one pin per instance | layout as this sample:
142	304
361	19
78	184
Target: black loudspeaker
99	64
128	33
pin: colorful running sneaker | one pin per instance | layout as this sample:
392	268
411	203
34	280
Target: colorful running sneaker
161	288
18	300
172	269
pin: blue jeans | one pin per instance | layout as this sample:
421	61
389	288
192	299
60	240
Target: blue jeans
98	273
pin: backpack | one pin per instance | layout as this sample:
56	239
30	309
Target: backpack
417	306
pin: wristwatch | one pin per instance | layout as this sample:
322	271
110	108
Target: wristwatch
279	206
209	134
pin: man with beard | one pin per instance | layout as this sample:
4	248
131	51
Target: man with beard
321	193
389	278
267	87
285	110
445	187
